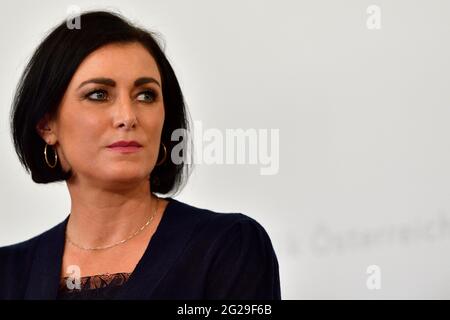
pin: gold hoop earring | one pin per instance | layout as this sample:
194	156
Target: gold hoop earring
165	155
45	156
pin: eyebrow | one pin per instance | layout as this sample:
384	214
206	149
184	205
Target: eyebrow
110	82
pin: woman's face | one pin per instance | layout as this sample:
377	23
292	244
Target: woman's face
115	94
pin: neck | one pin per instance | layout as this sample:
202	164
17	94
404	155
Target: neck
101	217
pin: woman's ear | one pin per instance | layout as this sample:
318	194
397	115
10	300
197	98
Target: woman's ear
46	129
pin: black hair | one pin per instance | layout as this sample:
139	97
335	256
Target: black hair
48	74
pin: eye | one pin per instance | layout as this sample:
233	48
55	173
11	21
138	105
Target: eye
97	95
147	96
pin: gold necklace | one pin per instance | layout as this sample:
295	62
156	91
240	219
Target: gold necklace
120	242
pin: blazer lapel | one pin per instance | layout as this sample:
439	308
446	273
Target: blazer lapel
47	262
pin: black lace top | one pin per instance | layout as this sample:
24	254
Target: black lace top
103	286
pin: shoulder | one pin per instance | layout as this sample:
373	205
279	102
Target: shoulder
212	217
15	252
218	224
16	261
224	235
24	247
237	253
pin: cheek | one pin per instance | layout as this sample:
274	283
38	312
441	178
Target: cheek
152	120
158	118
80	133
153	126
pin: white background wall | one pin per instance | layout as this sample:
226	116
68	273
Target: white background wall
363	116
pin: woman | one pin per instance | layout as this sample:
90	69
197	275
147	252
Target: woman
96	107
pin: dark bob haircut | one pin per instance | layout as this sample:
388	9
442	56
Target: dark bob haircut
47	76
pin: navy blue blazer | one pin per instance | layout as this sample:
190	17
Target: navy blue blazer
194	254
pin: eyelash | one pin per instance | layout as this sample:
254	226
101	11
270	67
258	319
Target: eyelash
152	93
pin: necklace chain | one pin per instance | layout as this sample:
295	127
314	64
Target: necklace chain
117	243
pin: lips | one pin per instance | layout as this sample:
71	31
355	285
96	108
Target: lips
123	143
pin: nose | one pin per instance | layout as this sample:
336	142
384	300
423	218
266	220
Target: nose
125	116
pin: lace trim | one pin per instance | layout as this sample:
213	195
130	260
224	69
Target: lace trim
68	284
